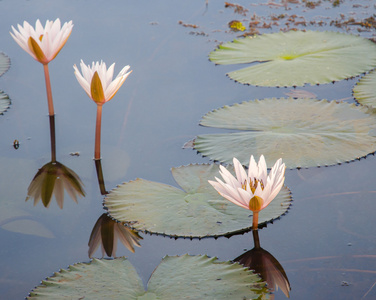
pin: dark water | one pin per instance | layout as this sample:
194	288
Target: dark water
326	243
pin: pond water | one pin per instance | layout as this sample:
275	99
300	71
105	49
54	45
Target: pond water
326	242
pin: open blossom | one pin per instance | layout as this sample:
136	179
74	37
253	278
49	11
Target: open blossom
98	82
43	44
254	190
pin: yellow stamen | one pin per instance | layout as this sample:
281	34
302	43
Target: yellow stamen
41	37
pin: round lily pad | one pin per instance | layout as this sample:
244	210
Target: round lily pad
295	58
303	132
4	102
364	91
196	211
4	63
177	277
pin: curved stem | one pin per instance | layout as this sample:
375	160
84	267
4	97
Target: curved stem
97	149
255	221
48	89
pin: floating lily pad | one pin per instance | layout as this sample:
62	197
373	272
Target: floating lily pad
295	58
4	63
177	277
196	211
364	91
4	102
303	132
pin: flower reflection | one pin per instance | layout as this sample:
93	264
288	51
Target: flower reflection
54	178
254	191
43	44
106	233
270	270
100	86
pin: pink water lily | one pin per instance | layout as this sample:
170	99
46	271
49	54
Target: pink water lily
253	191
99	85
42	43
98	82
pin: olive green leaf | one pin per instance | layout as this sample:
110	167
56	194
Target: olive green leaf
176	277
295	58
303	132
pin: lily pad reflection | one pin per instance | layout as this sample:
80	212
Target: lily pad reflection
176	277
295	58
303	132
196	211
4	102
4	63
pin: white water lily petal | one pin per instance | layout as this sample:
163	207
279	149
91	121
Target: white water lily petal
110	86
50	39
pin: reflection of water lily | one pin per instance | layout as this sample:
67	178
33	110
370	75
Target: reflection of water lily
270	270
43	44
100	86
54	178
106	233
254	191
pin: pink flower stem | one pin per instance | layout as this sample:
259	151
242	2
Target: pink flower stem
53	139
256	239
97	149
255	221
49	92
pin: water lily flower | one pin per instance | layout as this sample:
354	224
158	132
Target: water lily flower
253	191
43	44
99	85
106	233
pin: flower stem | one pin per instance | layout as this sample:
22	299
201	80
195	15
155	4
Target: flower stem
97	149
256	239
255	221
48	89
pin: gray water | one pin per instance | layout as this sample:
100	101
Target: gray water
326	243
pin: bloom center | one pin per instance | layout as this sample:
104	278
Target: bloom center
253	184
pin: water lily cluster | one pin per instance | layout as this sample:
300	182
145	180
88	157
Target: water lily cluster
44	44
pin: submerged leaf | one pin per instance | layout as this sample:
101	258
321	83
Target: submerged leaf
196	211
295	58
177	277
303	132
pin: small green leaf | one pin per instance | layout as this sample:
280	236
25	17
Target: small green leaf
364	90
4	102
295	58
196	211
4	63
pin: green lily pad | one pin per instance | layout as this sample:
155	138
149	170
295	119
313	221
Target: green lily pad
4	102
177	277
4	63
303	132
364	91
196	211
295	58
